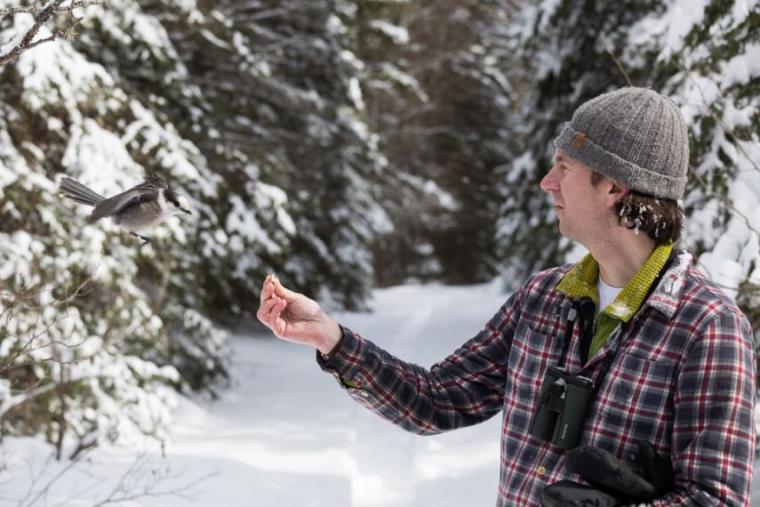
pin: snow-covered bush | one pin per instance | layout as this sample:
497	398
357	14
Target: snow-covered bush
252	117
94	330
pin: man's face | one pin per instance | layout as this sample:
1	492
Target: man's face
584	210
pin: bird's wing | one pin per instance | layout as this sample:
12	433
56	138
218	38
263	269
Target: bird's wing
118	203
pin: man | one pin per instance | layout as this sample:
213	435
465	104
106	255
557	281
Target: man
630	355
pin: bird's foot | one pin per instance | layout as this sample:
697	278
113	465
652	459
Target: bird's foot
145	241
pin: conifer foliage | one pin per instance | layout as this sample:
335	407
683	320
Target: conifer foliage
437	96
708	58
566	54
251	110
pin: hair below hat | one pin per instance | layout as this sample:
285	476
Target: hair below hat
633	135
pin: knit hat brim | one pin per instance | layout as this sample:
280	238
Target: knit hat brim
579	147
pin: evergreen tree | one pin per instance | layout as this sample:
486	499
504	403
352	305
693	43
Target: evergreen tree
252	111
709	54
269	96
568	52
293	122
438	100
709	61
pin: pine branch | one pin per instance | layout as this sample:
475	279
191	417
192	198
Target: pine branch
709	110
42	18
724	200
619	66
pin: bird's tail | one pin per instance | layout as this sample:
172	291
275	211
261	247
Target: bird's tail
80	193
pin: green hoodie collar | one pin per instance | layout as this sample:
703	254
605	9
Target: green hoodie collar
581	281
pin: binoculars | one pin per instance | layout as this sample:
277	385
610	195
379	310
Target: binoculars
562	406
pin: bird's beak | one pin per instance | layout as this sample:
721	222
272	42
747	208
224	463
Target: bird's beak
184	210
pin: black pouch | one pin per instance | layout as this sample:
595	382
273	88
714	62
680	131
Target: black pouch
571	494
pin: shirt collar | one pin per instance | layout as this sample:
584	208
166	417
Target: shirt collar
666	298
581	280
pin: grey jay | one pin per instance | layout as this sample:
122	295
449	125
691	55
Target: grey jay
136	210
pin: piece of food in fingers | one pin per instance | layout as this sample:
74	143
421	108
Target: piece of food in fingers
266	282
271	282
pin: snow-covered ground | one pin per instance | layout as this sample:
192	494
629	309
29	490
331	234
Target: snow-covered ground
285	435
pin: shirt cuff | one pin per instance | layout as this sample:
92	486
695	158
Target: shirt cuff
324	358
342	359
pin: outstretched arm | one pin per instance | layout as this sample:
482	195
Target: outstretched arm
465	388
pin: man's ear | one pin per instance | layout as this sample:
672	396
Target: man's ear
616	192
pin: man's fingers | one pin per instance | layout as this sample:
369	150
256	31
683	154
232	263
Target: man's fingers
270	310
266	290
276	308
279	327
272	286
264	308
273	301
281	291
278	324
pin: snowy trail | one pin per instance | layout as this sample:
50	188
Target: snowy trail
287	435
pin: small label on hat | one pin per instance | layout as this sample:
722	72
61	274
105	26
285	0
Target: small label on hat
579	140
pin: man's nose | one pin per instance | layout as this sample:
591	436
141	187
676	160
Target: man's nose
550	183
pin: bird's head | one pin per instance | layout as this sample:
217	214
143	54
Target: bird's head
181	205
176	203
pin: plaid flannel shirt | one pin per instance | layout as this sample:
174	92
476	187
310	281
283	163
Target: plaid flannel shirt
682	378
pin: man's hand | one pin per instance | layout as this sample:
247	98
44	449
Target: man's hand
296	318
612	481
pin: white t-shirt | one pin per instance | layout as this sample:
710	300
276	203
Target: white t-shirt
607	293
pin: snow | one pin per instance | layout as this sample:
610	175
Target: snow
547	9
243	224
355	93
744	67
12	162
54	73
394	74
99	159
23	24
398	34
285	434
672	26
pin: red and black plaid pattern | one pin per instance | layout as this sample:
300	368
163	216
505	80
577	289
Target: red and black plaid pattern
682	378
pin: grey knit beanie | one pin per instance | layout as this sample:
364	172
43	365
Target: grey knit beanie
633	135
